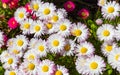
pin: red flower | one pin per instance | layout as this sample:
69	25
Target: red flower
83	13
13	4
12	23
69	6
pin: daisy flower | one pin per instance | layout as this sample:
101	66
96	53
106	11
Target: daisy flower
1	39
29	67
30	55
106	32
4	55
69	48
47	10
114	59
56	43
41	48
32	43
102	2
21	42
110	10
108	47
36	4
15	51
20	14
117	31
10	42
25	26
85	48
11	72
37	28
94	66
11	62
58	15
46	67
80	31
61	70
64	27
50	27
80	64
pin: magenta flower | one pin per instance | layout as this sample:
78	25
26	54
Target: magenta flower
12	23
5	38
27	6
83	13
5	1
69	6
13	4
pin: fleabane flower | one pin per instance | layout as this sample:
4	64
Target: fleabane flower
37	28
25	26
117	32
29	67
110	10
20	14
108	47
56	43
47	10
114	59
85	49
3	56
95	65
101	2
69	48
41	48
106	32
21	42
61	70
46	67
64	27
11	72
32	43
11	62
80	31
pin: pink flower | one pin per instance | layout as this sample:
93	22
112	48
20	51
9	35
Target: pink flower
13	4
27	6
69	6
83	13
5	38
5	1
12	23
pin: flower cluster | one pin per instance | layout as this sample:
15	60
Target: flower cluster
46	30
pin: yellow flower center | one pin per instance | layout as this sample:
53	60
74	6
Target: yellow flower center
58	73
110	9
55	18
20	42
117	56
106	33
26	26
31	66
31	57
41	48
10	61
45	68
16	52
63	27
83	50
55	43
46	11
12	73
67	47
21	15
77	32
37	28
49	26
36	6
93	65
108	48
4	5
